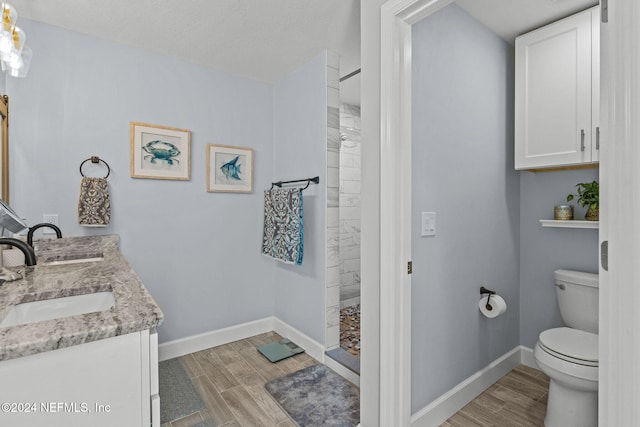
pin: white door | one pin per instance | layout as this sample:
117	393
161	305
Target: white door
595	85
619	340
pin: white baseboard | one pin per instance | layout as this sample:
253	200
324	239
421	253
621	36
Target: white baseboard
438	411
180	347
527	358
177	348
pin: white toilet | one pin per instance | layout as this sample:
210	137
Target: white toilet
569	355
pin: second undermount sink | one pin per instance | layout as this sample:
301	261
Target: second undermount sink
38	311
74	258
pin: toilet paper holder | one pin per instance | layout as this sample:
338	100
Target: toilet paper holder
483	291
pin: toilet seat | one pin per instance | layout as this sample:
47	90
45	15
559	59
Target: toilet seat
571	345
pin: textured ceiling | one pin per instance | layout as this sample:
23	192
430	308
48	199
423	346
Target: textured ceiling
262	39
259	39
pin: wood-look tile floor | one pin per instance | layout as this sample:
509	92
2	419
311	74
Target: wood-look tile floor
230	380
517	399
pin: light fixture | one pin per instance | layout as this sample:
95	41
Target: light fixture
14	55
9	17
18	65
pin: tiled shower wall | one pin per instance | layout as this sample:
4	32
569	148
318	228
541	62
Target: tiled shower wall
349	199
332	333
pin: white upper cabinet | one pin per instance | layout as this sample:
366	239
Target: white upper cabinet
557	93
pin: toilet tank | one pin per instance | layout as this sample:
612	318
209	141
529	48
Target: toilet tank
578	299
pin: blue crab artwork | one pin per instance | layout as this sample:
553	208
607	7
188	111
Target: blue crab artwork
161	151
231	169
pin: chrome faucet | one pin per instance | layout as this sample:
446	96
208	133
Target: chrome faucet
29	253
41	225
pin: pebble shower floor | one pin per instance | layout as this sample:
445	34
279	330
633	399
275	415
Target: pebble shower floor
350	329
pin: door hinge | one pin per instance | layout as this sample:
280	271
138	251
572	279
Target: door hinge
604	255
604	11
409	267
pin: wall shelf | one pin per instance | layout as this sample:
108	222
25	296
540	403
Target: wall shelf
569	224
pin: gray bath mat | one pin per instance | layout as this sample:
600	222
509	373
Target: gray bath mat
317	396
178	398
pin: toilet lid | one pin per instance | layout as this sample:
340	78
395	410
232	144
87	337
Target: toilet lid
572	345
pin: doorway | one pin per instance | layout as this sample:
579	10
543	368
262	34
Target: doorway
619	62
347	352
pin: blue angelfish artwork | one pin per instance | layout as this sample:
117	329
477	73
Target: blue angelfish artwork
231	169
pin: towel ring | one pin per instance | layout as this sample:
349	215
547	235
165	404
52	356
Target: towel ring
96	159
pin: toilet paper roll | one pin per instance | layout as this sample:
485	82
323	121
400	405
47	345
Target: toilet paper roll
12	257
494	308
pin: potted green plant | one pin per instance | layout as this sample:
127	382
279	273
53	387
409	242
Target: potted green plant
588	197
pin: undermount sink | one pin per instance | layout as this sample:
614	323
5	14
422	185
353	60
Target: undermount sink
74	259
38	311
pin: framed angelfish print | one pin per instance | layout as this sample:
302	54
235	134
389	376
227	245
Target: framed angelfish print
229	169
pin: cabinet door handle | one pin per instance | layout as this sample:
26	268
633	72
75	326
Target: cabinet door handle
604	255
598	138
581	139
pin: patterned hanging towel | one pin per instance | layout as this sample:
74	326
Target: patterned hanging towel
94	209
283	231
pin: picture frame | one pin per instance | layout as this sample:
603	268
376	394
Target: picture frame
4	148
160	152
229	169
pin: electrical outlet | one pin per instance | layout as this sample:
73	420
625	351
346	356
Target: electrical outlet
50	219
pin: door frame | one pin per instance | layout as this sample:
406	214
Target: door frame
619	340
397	18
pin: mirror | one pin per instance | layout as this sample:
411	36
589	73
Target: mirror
9	220
4	149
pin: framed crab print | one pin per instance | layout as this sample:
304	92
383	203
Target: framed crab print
229	169
160	152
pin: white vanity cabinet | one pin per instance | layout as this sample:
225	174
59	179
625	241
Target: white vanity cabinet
108	382
557	93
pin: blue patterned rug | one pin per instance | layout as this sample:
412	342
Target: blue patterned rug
317	397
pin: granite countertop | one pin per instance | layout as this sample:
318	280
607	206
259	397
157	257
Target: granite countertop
135	309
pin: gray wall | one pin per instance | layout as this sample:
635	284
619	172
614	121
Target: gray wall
544	250
463	170
197	252
300	151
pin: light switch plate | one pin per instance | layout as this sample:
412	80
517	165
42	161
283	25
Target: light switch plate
428	224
